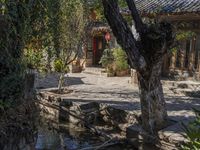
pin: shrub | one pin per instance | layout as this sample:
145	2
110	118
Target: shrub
33	58
193	133
107	58
59	66
114	60
4	105
11	89
120	59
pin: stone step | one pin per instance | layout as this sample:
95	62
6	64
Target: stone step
94	70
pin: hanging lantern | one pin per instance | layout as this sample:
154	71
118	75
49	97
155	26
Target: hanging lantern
107	37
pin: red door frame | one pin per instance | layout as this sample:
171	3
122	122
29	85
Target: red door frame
94	49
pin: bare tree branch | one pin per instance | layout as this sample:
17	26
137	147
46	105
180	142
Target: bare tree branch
140	27
123	33
75	56
146	56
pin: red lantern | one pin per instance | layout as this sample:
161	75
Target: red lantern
107	37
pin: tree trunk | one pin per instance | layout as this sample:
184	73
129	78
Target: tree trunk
146	56
153	107
60	82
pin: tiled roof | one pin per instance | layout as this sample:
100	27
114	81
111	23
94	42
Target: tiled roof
166	6
96	26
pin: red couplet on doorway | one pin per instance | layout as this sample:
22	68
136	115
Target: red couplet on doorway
94	49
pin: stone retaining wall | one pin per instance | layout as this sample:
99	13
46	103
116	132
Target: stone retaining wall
126	122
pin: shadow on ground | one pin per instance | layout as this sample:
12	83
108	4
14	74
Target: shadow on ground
52	82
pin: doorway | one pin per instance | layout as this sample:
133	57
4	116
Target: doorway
99	45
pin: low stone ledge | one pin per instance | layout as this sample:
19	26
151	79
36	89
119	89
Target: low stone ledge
117	116
89	112
174	134
168	138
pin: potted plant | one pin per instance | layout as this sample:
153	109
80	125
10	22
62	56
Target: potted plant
120	62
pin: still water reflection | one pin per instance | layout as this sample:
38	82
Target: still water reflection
64	137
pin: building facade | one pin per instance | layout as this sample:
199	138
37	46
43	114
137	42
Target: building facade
182	62
96	43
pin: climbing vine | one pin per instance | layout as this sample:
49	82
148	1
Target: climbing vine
23	31
34	34
14	22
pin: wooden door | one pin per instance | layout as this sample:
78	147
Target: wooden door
98	47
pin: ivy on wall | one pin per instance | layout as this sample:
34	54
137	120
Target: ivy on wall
23	34
34	34
14	22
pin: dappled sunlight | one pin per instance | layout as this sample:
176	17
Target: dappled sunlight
99	74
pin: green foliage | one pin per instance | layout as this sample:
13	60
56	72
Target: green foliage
181	36
14	31
32	32
114	60
11	88
174	50
98	7
193	133
4	105
71	25
185	35
33	58
107	58
120	59
60	67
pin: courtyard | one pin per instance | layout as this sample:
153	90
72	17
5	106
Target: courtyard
120	93
126	72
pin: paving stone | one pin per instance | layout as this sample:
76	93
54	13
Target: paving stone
119	93
174	133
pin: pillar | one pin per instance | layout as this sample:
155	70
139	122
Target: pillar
173	62
198	66
182	60
192	58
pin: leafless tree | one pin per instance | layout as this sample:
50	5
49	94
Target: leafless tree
146	56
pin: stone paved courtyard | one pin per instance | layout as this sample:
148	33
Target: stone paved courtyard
118	92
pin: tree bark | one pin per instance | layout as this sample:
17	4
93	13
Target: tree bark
153	106
123	34
146	56
135	15
61	82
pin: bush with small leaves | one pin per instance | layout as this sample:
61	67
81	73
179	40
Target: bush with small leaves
192	133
